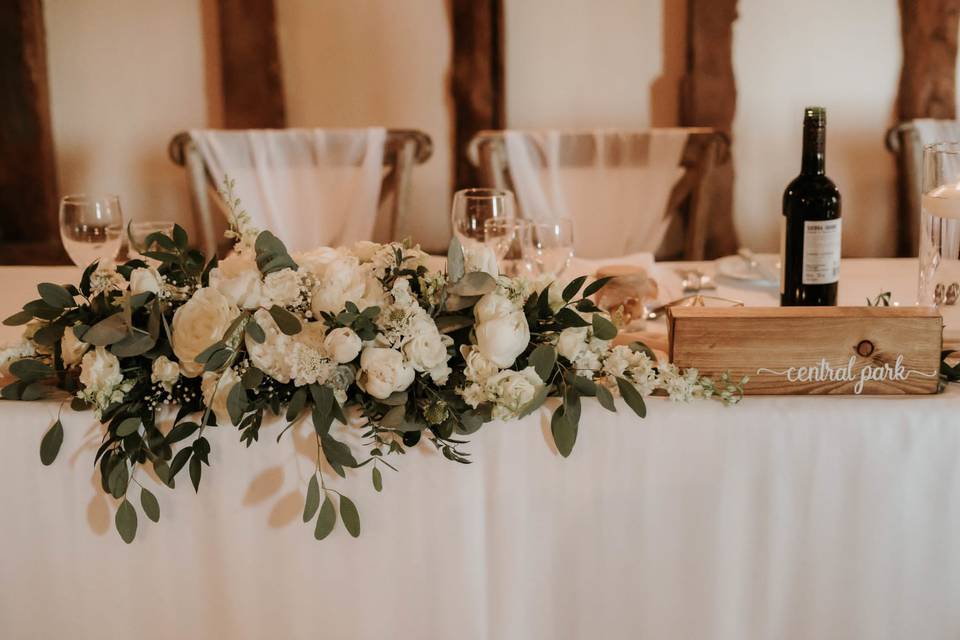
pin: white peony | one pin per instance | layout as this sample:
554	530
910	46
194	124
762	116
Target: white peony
238	279
143	280
216	389
100	371
501	330
383	372
342	345
480	257
572	342
317	260
281	288
165	372
274	355
513	390
478	368
72	348
200	322
343	280
426	349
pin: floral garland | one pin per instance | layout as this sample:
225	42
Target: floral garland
366	336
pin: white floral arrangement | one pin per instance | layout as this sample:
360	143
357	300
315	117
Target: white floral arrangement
366	335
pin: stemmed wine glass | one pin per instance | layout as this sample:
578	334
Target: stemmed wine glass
547	247
504	237
91	227
473	207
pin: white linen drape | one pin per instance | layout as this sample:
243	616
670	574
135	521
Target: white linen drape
311	187
615	190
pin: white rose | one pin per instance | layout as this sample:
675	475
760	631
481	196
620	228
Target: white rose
478	368
383	372
100	370
273	355
343	280
317	260
217	400
572	342
144	280
342	345
502	332
238	279
426	349
165	372
514	390
480	257
201	321
72	348
281	288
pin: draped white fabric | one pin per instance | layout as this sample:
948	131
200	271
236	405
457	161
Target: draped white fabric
790	518
311	187
613	185
930	130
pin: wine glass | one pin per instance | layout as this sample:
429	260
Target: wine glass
91	227
473	207
138	231
503	237
547	247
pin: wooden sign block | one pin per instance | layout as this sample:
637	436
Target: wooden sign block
812	350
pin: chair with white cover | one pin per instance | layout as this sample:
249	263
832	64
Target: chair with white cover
626	191
311	187
907	141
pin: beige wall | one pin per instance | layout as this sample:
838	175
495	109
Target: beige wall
126	75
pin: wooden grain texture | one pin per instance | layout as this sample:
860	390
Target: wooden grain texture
928	75
771	345
708	98
476	78
29	231
251	80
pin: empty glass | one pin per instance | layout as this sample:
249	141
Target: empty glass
939	282
137	232
91	227
504	238
547	247
473	207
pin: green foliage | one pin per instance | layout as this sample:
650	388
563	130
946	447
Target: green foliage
50	445
286	321
126	521
326	520
349	516
149	503
313	499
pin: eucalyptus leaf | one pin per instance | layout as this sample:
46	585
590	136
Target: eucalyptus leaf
50	334
326	520
572	288
195	472
236	403
596	285
30	369
180	237
108	331
569	318
286	321
205	355
603	328
564	432
396	399
255	331
136	343
36	391
393	417
297	402
544	358
150	505
337	452
459	303
455	261
118	479
377	480
127	426
349	516
181	432
55	295
180	460
585	386
19	318
218	360
252	378
50	445
469	422
126	521
632	397
571	405
475	283
312	502
538	399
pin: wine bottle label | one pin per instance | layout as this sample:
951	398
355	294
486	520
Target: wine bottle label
821	251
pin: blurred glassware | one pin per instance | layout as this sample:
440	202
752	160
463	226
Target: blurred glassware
547	247
504	238
939	278
473	207
91	227
139	230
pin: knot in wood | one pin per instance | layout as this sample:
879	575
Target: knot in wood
865	348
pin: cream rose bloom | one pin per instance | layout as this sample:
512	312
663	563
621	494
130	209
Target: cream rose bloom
274	355
165	372
100	371
143	280
343	280
501	330
238	279
201	321
342	345
478	368
72	348
217	400
281	288
383	372
513	391
426	349
572	342
316	261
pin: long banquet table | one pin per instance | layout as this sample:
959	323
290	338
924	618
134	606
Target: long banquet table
829	517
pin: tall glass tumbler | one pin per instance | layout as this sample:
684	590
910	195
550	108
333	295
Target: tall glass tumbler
939	283
472	208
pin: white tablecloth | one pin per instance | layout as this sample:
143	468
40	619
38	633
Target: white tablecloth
778	518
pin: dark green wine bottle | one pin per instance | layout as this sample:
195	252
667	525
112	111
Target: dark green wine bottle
810	236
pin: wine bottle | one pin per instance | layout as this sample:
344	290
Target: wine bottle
810	233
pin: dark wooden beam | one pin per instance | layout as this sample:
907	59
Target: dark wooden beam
251	79
928	76
709	99
476	78
28	184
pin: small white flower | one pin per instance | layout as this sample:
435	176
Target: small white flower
165	372
106	279
572	342
383	371
143	280
478	369
342	345
681	386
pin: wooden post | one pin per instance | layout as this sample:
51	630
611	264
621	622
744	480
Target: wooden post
476	82
250	65
709	99
29	231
